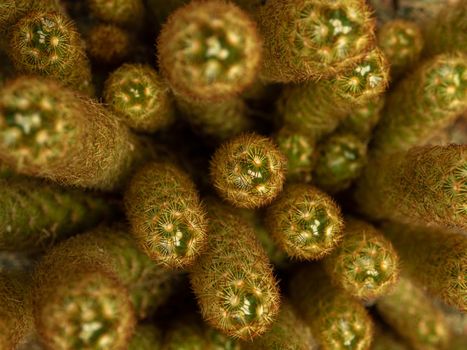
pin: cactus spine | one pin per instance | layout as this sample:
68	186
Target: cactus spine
166	215
51	132
305	222
248	171
233	280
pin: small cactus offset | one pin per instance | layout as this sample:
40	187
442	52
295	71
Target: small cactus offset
108	44
412	314
34	215
209	51
48	44
402	43
426	185
49	131
139	97
311	39
146	337
423	103
166	215
365	264
338	321
248	171
341	158
305	222
434	258
233	280
129	13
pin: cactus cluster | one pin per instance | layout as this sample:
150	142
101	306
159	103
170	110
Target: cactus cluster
108	44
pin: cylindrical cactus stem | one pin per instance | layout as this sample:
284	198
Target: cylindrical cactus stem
288	332
209	50
341	158
16	320
35	214
317	108
338	321
49	131
311	39
146	337
300	151
48	44
423	103
129	13
305	222
436	259
365	264
402	43
412	314
248	171
425	185
185	334
166	215
233	280
108	44
137	94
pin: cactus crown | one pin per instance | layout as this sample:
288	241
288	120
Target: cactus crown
209	50
108	44
248	170
455	185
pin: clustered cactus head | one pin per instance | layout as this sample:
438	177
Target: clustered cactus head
139	96
248	171
305	222
209	50
108	44
166	214
362	119
309	39
120	12
365	264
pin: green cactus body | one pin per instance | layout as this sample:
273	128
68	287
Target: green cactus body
317	108
426	185
310	39
288	332
185	334
248	171
128	13
34	215
108	44
166	215
48	44
338	321
422	104
402	43
139	96
233	280
305	222
209	51
365	264
411	313
341	158
434	258
300	150
146	337
219	341
51	132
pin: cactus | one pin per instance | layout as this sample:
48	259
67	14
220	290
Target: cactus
436	259
108	44
422	103
16	262
166	215
426	185
385	340
310	39
248	171
138	95
48	44
305	222
341	158
338	321
317	108
128	13
300	150
51	132
365	264
402	43
232	280
34	215
185	334
288	332
409	311
146	337
209	51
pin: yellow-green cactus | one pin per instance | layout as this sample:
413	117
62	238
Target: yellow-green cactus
146	337
108	44
128	13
